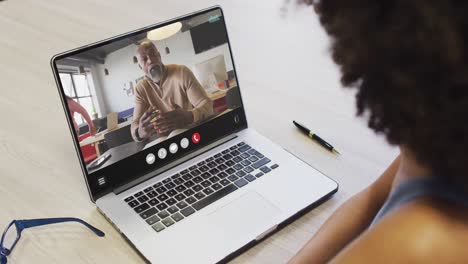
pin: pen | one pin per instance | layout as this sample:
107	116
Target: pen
315	137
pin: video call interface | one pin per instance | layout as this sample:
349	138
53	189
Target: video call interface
131	94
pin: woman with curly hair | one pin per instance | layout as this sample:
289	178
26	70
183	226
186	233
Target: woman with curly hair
408	60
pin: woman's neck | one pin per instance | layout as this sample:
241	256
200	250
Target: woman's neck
409	169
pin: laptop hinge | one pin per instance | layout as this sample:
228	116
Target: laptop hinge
173	164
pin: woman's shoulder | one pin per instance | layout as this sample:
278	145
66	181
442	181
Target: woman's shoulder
420	231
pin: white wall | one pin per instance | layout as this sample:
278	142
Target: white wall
122	70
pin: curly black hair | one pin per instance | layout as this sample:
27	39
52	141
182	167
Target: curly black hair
408	60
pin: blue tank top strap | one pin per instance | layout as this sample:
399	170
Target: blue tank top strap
431	186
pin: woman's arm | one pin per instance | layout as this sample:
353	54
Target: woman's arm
348	221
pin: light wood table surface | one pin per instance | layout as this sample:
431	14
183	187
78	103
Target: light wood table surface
284	71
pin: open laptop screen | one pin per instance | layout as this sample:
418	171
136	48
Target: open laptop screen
141	100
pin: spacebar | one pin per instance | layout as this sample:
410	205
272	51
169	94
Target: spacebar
214	197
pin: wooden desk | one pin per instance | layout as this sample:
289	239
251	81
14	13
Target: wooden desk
282	63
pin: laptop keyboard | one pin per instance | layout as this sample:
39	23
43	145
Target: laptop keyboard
177	197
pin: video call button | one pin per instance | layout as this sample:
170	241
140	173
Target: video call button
150	158
173	148
184	143
162	153
195	138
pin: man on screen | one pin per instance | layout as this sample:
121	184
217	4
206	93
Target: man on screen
169	97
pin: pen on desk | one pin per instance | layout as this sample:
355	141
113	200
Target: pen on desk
315	137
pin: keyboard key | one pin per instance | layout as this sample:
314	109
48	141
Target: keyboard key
143	198
229	163
258	175
153	202
162	197
206	183
217	155
206	175
240	182
227	157
161	189
203	168
235	153
180	197
260	163
209	159
148	213
175	176
260	155
168	222
189	184
190	200
214	197
192	167
177	217
237	159
244	148
138	194
265	169
178	181
159	184
233	147
208	191
238	167
253	159
201	163
152	194
222	175
148	189
170	185
166	180
274	166
187	211
158	227
220	161
250	177
187	177
128	199
244	155
197	188
197	179
214	171
222	167
181	204
152	220
184	172
171	201
214	179
163	214
161	206
199	195
225	151
225	182
246	162
241	174
141	208
172	209
216	186
241	144
233	178
248	169
171	193
133	203
195	173
251	151
212	164
230	171
180	188
189	192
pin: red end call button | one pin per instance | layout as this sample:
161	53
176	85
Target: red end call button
195	138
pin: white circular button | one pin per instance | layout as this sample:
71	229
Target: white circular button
173	148
162	153
184	143
150	158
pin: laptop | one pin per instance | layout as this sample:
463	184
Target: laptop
208	192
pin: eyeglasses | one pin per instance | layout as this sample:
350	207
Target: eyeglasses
19	225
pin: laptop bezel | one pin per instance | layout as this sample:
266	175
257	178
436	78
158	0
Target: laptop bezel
95	191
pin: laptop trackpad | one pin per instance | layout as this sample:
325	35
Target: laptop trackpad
244	215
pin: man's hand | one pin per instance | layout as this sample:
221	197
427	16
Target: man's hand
177	118
145	127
